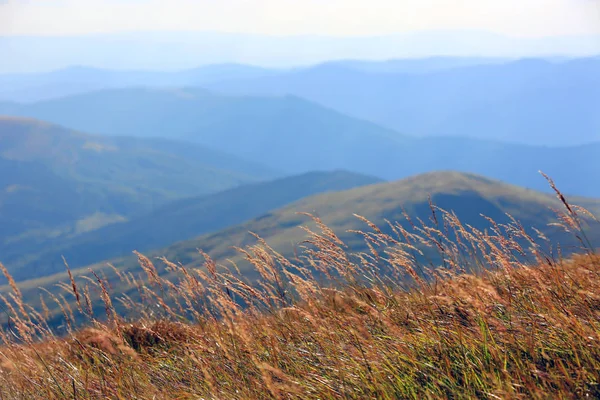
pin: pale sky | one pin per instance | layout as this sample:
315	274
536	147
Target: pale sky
520	18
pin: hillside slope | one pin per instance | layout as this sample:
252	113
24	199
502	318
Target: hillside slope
61	182
177	221
469	196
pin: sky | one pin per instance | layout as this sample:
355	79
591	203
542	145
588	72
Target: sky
517	18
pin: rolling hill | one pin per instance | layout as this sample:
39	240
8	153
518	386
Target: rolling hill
176	221
469	196
54	181
531	101
296	136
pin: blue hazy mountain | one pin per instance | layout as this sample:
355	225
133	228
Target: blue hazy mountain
294	136
414	66
531	101
288	131
30	87
56	182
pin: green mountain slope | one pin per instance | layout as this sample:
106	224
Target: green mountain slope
55	181
178	221
467	195
296	136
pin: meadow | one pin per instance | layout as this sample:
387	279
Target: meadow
496	314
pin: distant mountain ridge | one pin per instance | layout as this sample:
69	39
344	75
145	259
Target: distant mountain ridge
77	80
73	80
295	136
413	66
254	128
531	101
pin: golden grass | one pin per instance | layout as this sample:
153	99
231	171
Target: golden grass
493	315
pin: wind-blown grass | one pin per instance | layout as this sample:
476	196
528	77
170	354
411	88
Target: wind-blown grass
442	311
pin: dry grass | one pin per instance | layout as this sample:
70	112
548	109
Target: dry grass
491	315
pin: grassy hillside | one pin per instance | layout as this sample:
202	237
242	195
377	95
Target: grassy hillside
57	181
468	196
529	101
296	136
523	324
176	221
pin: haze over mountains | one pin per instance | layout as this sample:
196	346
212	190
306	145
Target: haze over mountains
530	101
54	181
182	50
31	87
97	163
292	135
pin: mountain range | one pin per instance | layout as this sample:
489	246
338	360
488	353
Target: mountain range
531	101
32	87
69	81
295	136
99	163
56	182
